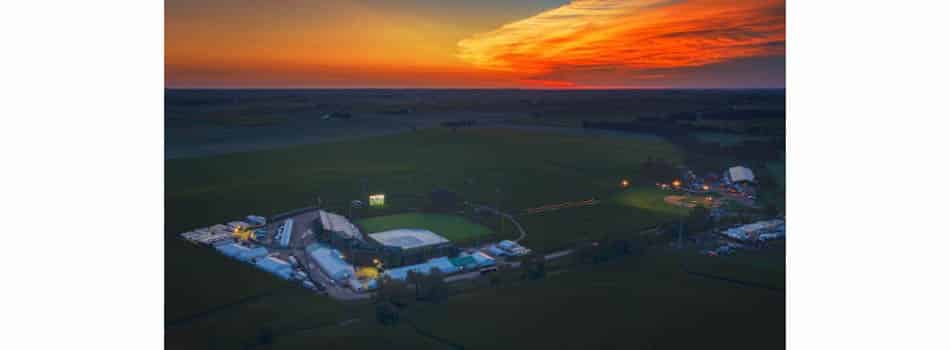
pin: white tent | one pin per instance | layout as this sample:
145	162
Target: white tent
740	173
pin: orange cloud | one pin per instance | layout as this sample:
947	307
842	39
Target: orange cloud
638	38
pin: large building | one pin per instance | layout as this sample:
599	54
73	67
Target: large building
338	230
770	229
331	262
738	174
411	246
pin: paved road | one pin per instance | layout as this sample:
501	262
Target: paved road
521	232
513	264
333	290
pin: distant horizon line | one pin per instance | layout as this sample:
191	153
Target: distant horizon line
476	88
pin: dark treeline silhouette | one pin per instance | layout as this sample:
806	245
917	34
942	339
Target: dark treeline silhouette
459	123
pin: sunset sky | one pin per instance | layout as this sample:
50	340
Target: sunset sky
475	43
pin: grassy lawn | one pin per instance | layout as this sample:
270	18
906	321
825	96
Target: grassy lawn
725	139
515	169
766	267
629	303
288	313
198	279
777	169
649	199
518	169
453	227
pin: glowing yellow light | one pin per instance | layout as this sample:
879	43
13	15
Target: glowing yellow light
676	183
705	187
624	183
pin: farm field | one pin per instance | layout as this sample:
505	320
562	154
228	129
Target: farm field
515	169
725	139
511	168
452	227
642	303
198	280
777	170
764	267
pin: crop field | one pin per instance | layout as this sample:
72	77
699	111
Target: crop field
725	139
777	169
640	302
513	169
453	227
645	303
198	279
765	267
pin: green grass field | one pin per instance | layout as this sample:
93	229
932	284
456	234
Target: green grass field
725	139
777	170
453	227
629	303
515	169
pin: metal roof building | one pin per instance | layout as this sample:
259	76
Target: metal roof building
231	249
442	264
331	262
473	261
339	224
754	230
275	266
739	173
284	232
406	239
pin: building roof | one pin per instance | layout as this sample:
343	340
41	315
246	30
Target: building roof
231	249
275	266
339	223
740	173
442	264
406	238
330	262
477	259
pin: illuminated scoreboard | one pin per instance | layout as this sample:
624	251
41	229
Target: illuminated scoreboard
377	200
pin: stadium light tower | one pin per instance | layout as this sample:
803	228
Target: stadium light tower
498	211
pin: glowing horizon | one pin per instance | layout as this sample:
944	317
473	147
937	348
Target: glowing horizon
418	44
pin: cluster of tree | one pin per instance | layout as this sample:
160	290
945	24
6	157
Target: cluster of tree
387	314
339	115
652	126
742	114
683	124
698	220
443	200
458	123
394	295
711	155
397	111
658	170
429	287
533	266
605	249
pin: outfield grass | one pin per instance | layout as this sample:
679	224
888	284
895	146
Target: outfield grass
453	227
649	199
